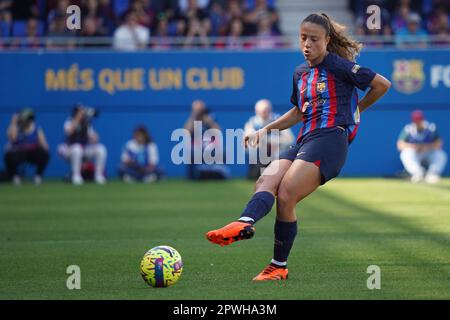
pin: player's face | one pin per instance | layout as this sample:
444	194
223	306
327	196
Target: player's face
139	137
313	41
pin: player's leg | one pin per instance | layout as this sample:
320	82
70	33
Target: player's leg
13	159
40	158
75	155
411	161
300	180
99	153
259	205
319	159
437	160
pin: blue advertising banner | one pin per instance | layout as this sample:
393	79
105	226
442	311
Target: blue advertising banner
164	80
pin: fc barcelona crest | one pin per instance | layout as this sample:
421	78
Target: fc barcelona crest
408	76
320	87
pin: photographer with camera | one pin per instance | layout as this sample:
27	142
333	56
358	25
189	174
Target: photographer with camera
82	143
203	171
26	144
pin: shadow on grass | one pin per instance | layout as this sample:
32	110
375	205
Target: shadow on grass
328	201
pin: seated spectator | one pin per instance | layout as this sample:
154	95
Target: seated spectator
59	36
90	30
107	17
82	143
161	39
24	9
144	13
438	20
234	10
192	9
5	19
185	5
276	145
234	40
421	150
201	171
31	41
60	10
130	35
140	158
26	145
197	35
413	35
253	17
89	9
218	19
400	19
266	38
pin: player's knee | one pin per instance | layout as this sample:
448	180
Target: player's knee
264	183
442	155
76	150
101	150
260	182
285	199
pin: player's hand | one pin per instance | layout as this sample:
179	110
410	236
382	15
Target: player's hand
254	138
80	114
15	119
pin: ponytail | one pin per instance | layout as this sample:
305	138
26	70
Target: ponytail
340	43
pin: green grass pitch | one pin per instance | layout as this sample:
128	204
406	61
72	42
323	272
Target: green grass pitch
344	227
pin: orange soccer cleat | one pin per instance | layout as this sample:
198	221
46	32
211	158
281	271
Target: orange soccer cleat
232	232
272	273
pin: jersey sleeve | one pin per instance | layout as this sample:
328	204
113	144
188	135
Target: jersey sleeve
359	76
294	97
435	134
153	155
403	135
124	156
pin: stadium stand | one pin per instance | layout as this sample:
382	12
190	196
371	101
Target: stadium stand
264	24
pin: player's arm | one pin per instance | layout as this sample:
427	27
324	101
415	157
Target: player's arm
42	139
437	144
402	145
287	120
378	87
72	124
13	129
93	136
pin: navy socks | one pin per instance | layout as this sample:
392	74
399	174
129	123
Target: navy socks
259	205
285	233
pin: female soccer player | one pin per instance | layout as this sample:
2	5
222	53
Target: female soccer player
325	99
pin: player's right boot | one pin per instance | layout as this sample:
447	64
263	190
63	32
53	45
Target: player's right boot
232	232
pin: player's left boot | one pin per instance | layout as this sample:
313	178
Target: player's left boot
232	232
272	272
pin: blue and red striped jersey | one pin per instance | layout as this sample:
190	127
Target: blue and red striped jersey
327	94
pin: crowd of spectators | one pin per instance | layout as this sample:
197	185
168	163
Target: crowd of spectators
408	23
134	24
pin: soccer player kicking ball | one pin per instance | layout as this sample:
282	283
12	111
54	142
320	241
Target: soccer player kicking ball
325	99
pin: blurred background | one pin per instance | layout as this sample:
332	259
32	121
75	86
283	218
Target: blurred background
144	62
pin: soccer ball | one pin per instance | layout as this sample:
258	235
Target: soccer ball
161	266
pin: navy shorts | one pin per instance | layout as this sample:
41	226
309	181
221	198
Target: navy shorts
326	147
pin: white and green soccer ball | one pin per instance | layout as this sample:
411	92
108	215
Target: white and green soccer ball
161	266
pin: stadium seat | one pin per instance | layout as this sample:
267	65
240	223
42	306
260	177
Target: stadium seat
42	6
250	4
5	29
120	6
20	28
